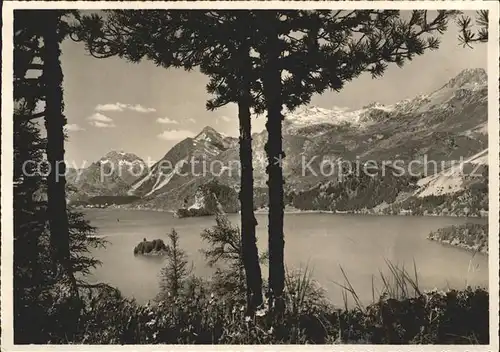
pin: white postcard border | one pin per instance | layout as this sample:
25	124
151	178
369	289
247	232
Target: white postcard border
7	162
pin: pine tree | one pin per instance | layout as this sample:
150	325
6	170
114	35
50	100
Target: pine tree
32	28
29	226
176	271
225	246
35	292
319	50
191	39
55	121
232	75
41	310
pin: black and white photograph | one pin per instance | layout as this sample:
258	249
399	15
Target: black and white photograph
252	173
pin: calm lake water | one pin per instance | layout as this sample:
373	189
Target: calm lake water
323	242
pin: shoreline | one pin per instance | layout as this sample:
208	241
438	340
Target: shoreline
459	245
470	237
266	212
367	213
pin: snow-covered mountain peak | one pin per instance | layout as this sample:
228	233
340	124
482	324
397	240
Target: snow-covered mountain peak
468	77
315	115
375	105
208	134
119	158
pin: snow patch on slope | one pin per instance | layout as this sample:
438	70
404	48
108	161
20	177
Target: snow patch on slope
160	183
450	180
139	183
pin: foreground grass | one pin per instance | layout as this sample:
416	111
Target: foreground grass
402	315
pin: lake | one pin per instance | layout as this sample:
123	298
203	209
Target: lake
361	244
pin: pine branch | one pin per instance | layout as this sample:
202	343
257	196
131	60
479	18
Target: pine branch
467	36
30	117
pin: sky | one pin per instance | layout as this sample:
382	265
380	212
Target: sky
139	108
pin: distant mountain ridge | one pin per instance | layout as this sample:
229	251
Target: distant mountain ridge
111	175
445	125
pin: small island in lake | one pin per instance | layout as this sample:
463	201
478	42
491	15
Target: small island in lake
154	247
473	237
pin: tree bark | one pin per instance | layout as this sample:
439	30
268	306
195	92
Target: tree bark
54	123
272	87
250	251
248	221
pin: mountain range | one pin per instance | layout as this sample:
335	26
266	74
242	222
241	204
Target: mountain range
445	129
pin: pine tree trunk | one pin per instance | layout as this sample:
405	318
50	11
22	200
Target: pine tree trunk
272	92
250	252
54	124
248	222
